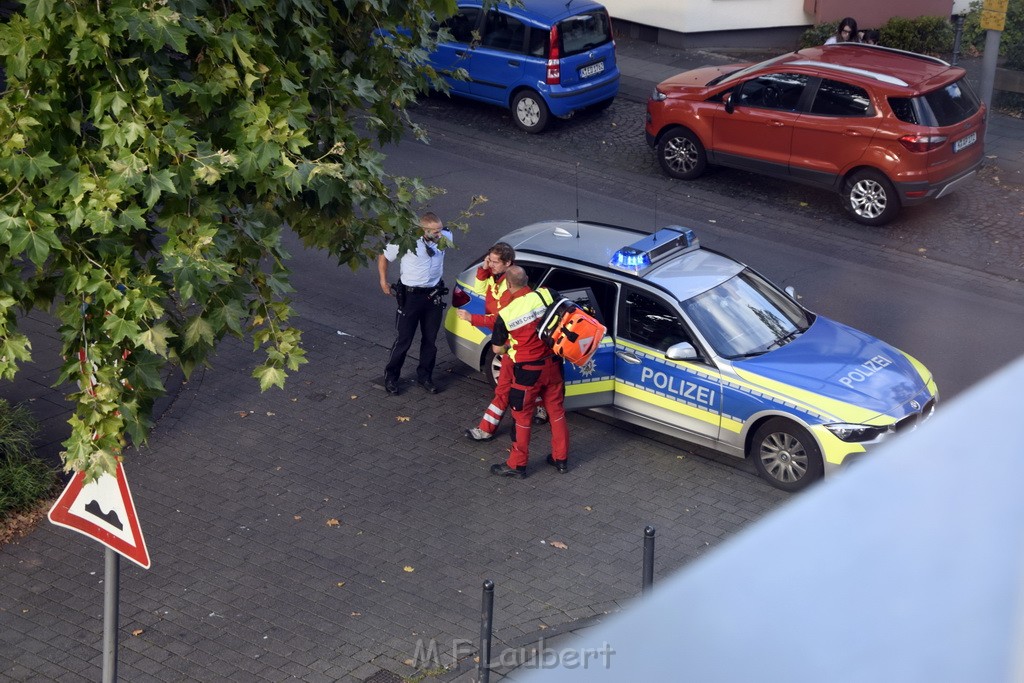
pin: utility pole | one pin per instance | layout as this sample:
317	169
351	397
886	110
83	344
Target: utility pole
993	20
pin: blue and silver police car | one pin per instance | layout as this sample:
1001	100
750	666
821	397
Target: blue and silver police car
703	348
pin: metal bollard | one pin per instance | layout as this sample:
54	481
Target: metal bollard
959	22
486	626
648	579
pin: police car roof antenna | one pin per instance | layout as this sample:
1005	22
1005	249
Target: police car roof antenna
655	216
577	196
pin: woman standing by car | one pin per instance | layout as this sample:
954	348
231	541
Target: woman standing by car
846	32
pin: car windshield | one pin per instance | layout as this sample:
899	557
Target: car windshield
754	67
746	316
945	106
584	32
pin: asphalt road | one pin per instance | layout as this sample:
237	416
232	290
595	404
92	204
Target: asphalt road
963	324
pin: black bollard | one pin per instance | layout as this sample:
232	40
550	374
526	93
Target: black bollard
486	625
648	580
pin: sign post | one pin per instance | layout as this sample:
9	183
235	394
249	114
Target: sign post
993	20
104	510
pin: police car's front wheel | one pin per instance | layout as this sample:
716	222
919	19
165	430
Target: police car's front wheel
786	455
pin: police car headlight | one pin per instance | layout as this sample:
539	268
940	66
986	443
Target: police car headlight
855	433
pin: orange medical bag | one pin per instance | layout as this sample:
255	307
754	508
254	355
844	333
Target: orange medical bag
571	332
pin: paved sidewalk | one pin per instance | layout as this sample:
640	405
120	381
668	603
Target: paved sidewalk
252	581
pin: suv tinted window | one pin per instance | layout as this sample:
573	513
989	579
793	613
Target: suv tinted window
841	99
503	32
584	32
943	107
773	91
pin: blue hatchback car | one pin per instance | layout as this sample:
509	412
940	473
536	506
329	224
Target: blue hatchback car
541	59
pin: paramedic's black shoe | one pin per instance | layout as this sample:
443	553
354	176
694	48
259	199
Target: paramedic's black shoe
561	465
391	386
428	386
503	470
477	434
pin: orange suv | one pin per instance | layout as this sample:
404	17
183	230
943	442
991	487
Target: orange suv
883	127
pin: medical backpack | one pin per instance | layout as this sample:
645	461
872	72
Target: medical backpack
570	332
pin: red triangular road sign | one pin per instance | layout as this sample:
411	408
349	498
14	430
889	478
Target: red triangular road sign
103	510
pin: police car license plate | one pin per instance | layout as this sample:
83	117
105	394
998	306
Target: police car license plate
591	70
963	143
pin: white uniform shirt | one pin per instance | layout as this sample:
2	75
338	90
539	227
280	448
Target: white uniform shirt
418	268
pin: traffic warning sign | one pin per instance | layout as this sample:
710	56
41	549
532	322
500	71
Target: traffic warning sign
103	510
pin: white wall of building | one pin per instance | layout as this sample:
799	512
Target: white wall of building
696	16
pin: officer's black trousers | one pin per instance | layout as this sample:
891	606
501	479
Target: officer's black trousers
419	312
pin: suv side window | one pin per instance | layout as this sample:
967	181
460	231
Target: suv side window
594	295
503	32
462	24
649	321
835	98
772	91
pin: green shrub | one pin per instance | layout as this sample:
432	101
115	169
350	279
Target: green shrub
817	35
928	35
1012	38
24	478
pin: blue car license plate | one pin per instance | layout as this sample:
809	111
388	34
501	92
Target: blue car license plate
592	70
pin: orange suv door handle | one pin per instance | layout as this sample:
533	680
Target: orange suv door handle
852	133
776	124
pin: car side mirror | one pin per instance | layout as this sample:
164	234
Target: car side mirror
727	101
791	291
681	351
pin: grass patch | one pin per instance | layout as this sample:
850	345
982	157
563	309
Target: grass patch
25	480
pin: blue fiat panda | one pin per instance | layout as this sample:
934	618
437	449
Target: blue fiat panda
541	59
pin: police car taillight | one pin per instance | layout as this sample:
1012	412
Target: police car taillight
669	241
459	297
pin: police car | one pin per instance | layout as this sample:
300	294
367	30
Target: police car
703	348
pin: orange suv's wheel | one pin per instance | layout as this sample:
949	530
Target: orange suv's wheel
870	198
681	154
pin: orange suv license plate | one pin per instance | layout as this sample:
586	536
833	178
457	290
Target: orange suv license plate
963	143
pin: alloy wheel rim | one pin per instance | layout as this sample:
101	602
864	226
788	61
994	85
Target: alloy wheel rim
681	155
868	199
784	457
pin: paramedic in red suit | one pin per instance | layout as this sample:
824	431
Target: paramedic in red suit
490	281
536	372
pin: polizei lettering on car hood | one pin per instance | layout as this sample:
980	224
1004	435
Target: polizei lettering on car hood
844	364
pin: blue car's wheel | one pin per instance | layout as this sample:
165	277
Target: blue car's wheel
529	111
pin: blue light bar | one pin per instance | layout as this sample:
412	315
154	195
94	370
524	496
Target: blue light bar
630	259
668	241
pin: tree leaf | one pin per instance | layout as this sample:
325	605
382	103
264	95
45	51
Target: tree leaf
269	377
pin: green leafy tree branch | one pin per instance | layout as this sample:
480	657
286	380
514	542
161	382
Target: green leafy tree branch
154	155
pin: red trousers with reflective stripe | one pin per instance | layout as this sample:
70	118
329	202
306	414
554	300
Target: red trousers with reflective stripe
494	412
530	381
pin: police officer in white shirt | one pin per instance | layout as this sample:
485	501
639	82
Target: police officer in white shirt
421	301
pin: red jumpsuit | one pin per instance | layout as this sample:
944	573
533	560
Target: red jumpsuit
536	374
496	295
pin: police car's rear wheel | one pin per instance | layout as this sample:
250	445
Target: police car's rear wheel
786	455
492	366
